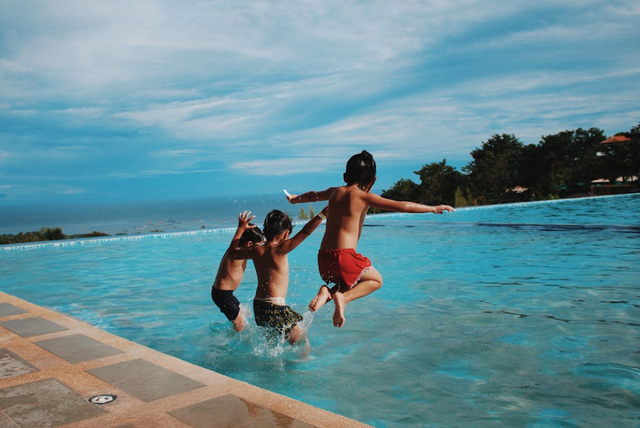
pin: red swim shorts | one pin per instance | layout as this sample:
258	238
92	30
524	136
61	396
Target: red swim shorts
343	266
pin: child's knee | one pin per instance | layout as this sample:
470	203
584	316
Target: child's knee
379	280
376	282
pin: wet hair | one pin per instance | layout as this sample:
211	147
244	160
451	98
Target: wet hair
275	223
254	235
361	169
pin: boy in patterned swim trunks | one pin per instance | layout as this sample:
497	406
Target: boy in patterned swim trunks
338	262
272	267
231	271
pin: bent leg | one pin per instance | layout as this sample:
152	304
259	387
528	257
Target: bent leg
296	335
370	282
238	323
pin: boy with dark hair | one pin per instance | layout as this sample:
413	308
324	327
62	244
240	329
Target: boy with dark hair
231	271
272	267
353	275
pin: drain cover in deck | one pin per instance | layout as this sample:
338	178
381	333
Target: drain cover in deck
102	399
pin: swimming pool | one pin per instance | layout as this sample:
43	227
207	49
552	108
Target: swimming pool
514	315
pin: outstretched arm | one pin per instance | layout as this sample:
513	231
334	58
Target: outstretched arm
403	206
322	195
304	233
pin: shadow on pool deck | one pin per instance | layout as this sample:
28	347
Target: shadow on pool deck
52	364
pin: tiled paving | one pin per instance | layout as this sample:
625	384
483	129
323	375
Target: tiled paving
7	309
45	403
35	326
12	365
51	365
145	380
233	412
78	348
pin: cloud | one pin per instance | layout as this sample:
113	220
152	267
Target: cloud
152	173
26	190
284	166
153	88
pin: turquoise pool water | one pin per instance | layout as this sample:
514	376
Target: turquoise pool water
515	315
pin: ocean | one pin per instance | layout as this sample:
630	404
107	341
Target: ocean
142	217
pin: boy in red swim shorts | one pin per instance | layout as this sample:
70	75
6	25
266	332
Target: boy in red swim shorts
339	263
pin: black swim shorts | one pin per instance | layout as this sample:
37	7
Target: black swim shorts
227	302
279	317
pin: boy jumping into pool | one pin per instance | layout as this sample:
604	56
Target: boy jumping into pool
272	267
353	275
231	270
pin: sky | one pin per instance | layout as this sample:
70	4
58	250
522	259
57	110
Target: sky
149	100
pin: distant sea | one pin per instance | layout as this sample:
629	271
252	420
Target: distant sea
142	217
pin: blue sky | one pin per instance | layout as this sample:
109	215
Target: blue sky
120	100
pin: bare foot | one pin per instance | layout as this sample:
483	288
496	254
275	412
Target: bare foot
321	298
338	314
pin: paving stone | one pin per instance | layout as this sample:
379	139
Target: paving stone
27	327
6	422
45	404
7	310
78	348
231	411
12	365
145	380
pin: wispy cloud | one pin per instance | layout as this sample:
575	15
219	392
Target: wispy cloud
142	90
285	166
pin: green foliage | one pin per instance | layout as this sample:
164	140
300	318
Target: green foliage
460	200
44	234
438	183
403	190
303	214
495	169
503	170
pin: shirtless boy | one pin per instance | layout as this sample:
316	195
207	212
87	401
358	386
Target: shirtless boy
353	275
231	271
272	267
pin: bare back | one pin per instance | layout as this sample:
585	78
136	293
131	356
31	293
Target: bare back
347	210
230	273
272	269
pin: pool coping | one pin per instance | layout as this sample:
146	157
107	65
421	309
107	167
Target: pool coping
166	391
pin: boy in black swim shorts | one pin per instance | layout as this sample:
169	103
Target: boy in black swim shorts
272	267
231	271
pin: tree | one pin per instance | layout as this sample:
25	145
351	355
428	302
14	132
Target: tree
565	162
627	154
403	190
303	214
622	158
438	183
495	168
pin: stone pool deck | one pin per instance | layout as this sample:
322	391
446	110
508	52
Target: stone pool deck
52	364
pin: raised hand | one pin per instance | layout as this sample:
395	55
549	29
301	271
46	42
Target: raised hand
243	220
290	196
